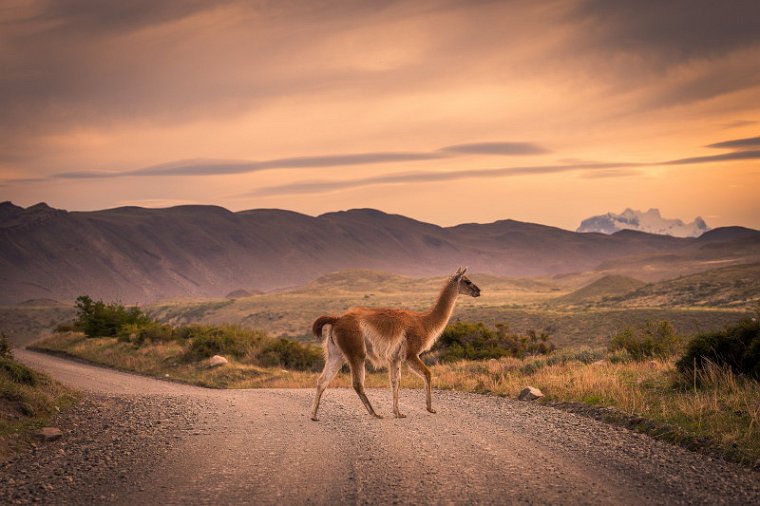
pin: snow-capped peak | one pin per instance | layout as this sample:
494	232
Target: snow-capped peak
651	222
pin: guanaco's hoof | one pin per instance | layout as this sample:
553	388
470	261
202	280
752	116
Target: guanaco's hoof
432	410
314	419
377	416
399	415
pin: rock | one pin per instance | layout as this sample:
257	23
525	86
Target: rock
217	360
530	394
49	433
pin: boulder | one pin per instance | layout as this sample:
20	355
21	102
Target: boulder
49	433
217	360
530	394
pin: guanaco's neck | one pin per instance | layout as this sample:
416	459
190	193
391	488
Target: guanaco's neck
437	318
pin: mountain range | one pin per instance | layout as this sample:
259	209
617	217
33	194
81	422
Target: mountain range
140	255
651	222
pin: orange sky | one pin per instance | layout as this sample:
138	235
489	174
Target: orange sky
447	112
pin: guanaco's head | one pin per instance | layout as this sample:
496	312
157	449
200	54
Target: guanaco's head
466	287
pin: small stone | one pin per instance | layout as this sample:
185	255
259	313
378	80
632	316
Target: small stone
530	394
217	360
49	433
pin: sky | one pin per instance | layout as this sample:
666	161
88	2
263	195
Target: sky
445	111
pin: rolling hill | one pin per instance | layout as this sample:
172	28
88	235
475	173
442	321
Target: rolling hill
140	255
735	286
603	288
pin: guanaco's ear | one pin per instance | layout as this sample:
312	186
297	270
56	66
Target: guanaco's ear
460	272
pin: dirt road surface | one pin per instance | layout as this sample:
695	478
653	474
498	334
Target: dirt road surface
136	440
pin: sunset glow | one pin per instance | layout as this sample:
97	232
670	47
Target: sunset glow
447	112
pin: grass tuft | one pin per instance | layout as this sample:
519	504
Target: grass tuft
28	400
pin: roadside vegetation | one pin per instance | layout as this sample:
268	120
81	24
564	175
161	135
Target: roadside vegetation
700	391
28	400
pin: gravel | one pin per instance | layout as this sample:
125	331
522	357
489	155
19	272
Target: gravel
153	442
110	444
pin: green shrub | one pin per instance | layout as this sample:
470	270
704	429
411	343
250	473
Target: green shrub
5	347
98	319
736	347
229	340
17	373
582	355
291	355
475	341
153	332
533	367
650	341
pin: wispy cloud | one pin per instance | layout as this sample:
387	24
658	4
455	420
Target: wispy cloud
593	170
725	157
749	142
426	177
87	174
204	167
497	148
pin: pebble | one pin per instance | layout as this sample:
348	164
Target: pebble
85	456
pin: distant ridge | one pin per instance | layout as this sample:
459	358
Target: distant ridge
138	255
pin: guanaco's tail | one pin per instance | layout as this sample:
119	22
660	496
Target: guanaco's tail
321	322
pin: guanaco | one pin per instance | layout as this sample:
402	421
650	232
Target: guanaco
386	337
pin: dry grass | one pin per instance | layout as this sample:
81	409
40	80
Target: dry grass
28	400
724	409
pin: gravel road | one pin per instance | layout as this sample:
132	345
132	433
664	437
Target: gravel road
136	440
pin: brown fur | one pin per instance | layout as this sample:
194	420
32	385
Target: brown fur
321	322
386	337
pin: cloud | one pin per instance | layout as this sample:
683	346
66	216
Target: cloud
425	177
738	124
669	53
187	168
726	157
749	142
88	75
594	170
93	16
496	148
87	174
674	31
203	167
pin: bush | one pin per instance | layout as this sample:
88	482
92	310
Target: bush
475	341
17	373
98	319
5	347
582	355
155	332
291	355
229	340
736	347
650	341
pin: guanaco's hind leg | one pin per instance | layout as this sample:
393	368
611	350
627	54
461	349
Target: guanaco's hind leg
357	375
417	366
394	371
333	362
